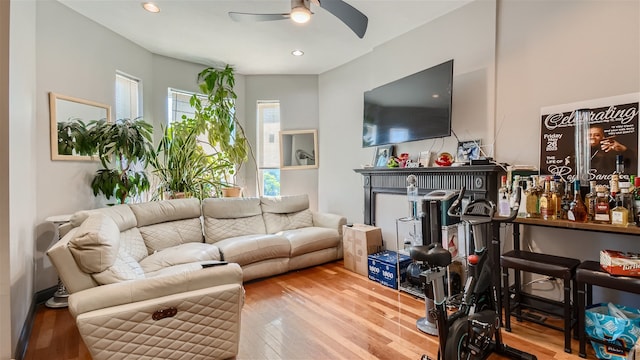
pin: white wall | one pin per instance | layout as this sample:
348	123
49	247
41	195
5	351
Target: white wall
554	53
543	53
22	168
466	35
298	96
5	240
87	72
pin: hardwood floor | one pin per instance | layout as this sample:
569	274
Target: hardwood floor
324	312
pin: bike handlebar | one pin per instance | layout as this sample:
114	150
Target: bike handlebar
455	211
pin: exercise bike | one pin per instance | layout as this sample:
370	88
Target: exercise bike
473	331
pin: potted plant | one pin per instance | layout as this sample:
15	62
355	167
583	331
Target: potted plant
124	144
216	117
182	166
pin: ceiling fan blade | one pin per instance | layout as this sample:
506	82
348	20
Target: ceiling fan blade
349	15
246	17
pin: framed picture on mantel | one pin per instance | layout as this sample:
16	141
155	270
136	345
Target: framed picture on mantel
382	155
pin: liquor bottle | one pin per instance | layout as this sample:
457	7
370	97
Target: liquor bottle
614	189
619	214
623	178
522	207
514	188
531	200
555	200
547	209
577	211
565	201
636	201
590	200
602	205
504	208
625	199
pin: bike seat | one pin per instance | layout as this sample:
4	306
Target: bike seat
433	255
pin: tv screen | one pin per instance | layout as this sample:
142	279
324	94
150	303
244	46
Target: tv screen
415	107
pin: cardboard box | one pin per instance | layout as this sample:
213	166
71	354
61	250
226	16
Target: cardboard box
619	263
615	324
358	241
383	268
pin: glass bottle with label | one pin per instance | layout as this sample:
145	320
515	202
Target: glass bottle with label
614	190
555	200
623	178
619	214
636	200
504	208
565	201
590	200
531	200
577	211
626	200
547	209
602	205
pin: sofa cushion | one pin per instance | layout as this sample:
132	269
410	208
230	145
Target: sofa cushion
132	243
180	254
231	208
121	214
96	244
155	212
280	222
284	204
175	269
168	234
311	239
124	268
220	229
231	217
254	248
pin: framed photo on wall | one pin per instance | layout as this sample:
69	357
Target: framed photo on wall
382	155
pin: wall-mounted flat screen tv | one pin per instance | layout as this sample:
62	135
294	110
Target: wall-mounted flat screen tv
415	107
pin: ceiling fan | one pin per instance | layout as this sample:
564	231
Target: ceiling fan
301	13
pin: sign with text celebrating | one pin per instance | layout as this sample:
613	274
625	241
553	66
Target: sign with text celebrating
613	130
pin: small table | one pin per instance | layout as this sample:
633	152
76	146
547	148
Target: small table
59	299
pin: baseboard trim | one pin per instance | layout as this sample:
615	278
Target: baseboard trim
39	298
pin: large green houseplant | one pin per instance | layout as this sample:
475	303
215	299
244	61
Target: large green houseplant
215	117
182	166
123	147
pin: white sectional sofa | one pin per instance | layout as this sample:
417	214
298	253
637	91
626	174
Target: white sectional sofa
164	279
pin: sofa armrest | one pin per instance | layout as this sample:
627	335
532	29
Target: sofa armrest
127	292
327	220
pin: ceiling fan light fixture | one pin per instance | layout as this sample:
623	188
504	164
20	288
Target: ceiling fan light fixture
151	7
300	14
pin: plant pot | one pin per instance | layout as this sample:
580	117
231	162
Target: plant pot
177	195
234	191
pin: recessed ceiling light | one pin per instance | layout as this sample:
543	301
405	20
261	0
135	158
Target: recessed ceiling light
300	14
151	7
435	96
297	52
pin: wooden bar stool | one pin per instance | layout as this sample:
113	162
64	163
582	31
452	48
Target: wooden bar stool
590	273
550	265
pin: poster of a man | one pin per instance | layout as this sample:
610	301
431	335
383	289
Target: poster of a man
604	150
613	130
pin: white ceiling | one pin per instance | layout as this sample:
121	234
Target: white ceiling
200	31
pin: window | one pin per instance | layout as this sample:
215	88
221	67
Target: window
179	104
269	146
128	99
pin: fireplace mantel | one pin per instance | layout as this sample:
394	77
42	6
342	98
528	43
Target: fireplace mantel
480	181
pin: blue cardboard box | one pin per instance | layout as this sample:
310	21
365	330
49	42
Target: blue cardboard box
383	267
615	324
